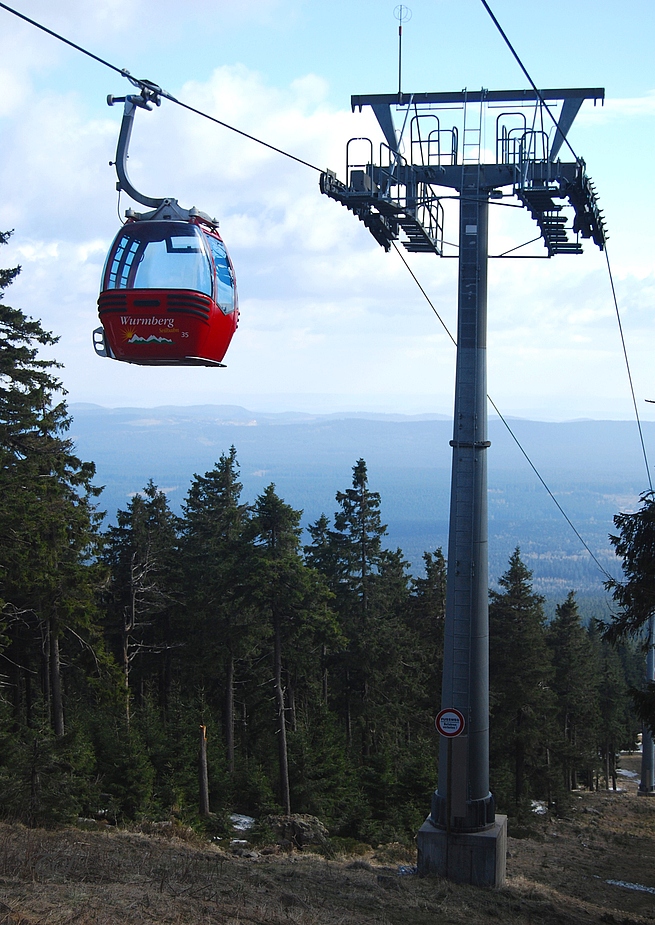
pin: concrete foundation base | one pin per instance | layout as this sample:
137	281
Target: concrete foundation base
464	857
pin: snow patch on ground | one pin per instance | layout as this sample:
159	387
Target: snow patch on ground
241	823
632	886
539	807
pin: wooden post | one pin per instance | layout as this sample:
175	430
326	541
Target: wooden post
203	776
281	719
229	715
55	681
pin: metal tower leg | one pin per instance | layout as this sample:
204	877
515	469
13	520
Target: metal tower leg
470	845
466	646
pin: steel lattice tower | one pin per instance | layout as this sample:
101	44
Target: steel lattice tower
401	195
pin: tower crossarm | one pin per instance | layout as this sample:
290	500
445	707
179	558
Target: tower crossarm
441	98
419	165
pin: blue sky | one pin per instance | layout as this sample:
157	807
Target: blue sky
329	321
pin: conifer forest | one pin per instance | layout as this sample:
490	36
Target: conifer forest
224	661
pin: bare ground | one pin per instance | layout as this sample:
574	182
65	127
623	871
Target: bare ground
556	876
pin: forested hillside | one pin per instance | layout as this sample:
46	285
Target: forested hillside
308	671
594	468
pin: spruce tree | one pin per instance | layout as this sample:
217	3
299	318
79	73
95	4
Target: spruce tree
53	661
141	554
616	723
217	561
635	595
358	556
384	684
428	615
294	600
48	523
575	684
520	696
358	536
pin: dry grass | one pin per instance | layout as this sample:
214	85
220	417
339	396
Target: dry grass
555	877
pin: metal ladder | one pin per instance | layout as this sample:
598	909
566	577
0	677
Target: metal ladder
471	135
465	583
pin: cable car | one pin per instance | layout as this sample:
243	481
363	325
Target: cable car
168	294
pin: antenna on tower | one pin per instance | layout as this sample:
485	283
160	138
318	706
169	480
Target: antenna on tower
402	14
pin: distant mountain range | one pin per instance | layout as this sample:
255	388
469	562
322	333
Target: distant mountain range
594	469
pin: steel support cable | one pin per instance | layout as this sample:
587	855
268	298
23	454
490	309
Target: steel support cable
239	131
609	269
134	80
508	428
518	247
627	366
530	80
66	41
552	496
425	295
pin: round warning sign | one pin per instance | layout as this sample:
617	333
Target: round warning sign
449	723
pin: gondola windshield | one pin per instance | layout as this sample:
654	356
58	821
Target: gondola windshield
159	255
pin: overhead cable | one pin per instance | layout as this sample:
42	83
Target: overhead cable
425	295
530	80
239	131
538	474
61	38
505	422
609	269
627	365
125	73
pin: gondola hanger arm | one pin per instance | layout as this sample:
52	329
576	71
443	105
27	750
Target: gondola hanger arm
150	95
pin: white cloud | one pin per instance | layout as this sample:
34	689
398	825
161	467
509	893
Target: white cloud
324	309
80	20
614	109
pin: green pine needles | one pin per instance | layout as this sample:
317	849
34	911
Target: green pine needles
308	677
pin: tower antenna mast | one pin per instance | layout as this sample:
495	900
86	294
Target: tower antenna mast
402	14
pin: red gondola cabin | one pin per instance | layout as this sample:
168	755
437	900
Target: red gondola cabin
168	295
